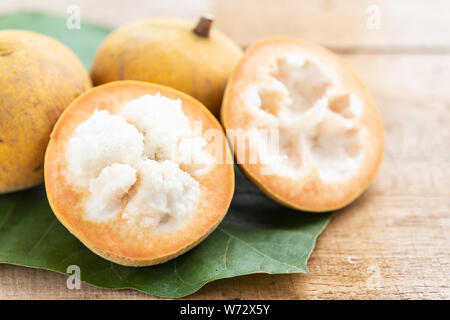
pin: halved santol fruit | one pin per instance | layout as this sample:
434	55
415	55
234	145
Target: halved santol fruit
39	78
138	172
172	52
303	126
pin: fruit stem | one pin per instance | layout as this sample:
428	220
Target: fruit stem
204	25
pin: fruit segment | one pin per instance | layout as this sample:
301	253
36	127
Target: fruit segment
130	174
327	130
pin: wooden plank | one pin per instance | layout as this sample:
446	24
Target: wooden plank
416	24
339	23
391	243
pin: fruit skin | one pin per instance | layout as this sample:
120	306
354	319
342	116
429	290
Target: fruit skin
101	239
320	201
168	52
39	78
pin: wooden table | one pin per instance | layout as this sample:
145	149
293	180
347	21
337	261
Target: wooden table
393	242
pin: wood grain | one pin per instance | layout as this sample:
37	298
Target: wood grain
336	23
393	242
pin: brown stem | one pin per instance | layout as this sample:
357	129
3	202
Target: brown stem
204	25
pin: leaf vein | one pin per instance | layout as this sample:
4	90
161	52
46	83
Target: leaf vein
178	275
124	280
226	252
8	213
71	255
258	251
44	235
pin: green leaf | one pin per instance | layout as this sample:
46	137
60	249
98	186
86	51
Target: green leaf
83	41
257	235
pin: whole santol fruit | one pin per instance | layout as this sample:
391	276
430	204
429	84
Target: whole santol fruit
303	126
171	52
137	172
39	78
